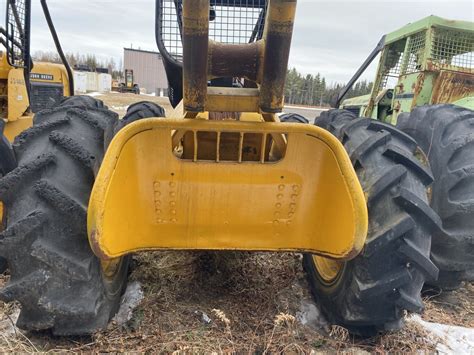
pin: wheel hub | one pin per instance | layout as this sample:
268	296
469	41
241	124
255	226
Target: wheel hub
328	269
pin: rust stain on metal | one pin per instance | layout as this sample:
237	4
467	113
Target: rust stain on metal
234	60
401	88
431	66
96	247
397	106
221	116
280	22
418	87
452	86
195	49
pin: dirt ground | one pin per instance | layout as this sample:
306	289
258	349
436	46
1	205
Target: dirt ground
231	302
252	301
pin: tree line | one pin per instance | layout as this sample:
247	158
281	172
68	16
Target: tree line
82	60
313	90
300	89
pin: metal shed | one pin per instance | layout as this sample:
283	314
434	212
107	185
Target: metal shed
148	70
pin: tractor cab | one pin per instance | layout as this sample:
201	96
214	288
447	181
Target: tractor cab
129	85
27	87
129	78
427	62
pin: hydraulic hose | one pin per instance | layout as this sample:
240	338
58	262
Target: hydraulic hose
54	34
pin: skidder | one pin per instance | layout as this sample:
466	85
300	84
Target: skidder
220	173
425	86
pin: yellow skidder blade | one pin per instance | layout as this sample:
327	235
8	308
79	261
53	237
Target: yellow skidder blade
147	196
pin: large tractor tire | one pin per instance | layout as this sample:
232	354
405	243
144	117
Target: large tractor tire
141	110
371	292
293	118
59	282
7	164
83	102
446	135
3	265
7	157
136	89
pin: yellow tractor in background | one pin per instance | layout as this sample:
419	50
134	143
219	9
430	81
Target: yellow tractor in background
221	172
25	87
129	86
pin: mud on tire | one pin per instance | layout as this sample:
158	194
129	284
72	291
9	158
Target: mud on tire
54	274
372	292
446	135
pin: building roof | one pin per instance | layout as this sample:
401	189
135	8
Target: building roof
141	51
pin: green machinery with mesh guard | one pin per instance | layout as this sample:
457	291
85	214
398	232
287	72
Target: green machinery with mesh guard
430	61
425	87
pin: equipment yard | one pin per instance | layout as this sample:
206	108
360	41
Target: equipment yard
235	215
120	102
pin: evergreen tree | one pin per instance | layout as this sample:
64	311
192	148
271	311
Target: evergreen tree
314	91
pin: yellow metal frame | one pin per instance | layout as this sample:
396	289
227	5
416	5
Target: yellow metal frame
146	198
329	269
17	96
14	128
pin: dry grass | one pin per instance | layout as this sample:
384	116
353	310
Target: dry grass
251	299
451	307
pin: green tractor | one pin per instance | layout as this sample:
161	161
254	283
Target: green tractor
425	86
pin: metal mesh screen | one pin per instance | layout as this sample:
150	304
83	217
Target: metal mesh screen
170	30
414	58
404	59
235	22
393	63
453	48
449	49
232	21
16	22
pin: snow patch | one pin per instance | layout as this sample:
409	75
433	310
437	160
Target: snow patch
455	339
119	108
8	324
203	317
130	300
94	94
310	315
309	108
